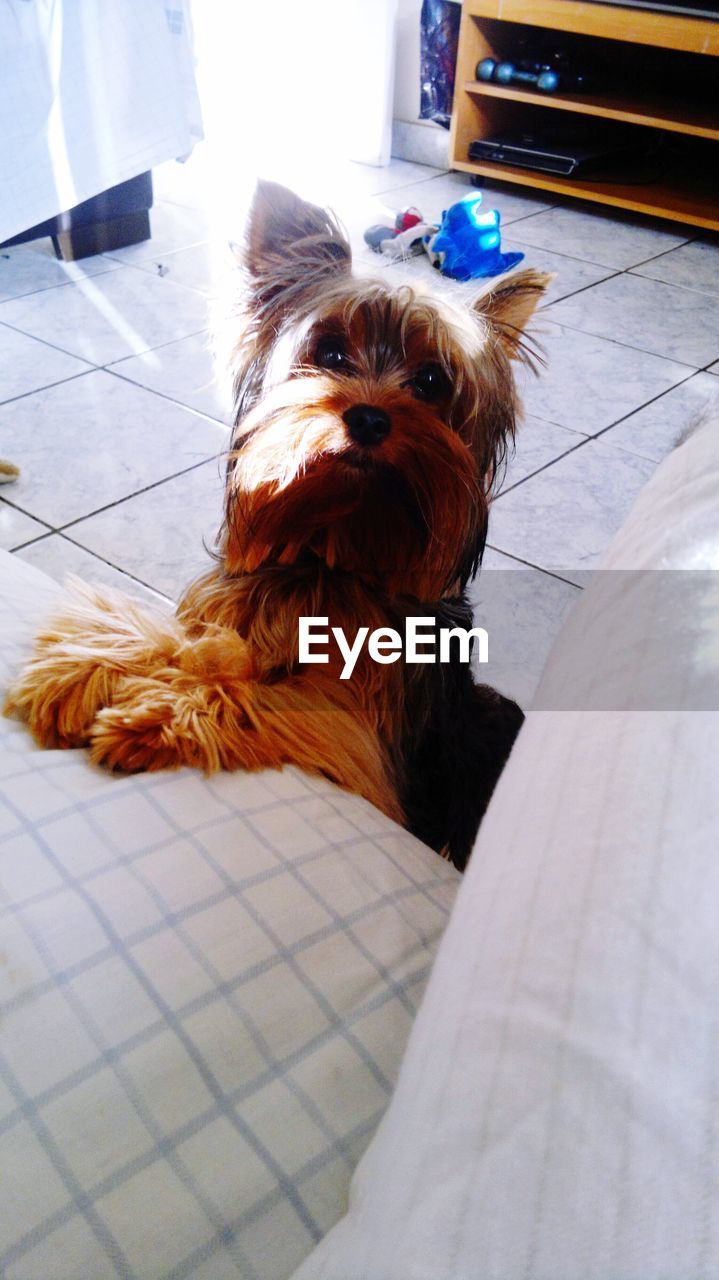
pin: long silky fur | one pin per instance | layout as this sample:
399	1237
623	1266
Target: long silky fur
316	525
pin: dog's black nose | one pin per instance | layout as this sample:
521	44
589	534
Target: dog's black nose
367	425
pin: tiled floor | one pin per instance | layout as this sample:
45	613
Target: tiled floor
108	404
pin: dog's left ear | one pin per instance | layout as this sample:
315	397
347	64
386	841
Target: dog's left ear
291	242
510	304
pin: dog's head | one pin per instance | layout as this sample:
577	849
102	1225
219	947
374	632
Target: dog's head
370	420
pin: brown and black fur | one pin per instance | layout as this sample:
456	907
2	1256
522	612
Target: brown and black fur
320	520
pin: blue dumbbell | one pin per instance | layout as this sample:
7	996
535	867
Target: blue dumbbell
507	73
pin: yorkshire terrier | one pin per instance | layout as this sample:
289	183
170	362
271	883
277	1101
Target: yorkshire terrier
371	422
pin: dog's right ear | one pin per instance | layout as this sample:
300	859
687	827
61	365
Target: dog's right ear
291	244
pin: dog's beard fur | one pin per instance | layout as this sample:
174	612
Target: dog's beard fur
410	514
319	522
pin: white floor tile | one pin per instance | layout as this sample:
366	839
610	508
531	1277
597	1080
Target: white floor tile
537	444
26	364
605	238
28	268
58	557
522	611
590	382
16	527
678	324
106	317
432	197
182	370
344	184
202	266
96	439
398	173
171	228
563	518
691	266
657	429
571	274
158	536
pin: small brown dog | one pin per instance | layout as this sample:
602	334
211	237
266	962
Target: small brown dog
370	424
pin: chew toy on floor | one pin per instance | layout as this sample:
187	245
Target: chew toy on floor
469	242
467	245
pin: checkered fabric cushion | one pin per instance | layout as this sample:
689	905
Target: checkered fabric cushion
206	986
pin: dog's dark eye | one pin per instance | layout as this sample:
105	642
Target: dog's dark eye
330	353
430	382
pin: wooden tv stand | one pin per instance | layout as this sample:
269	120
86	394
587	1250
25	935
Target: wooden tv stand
660	47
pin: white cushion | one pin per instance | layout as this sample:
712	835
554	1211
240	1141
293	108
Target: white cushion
557	1113
205	990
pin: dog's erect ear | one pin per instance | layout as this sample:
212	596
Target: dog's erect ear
291	242
510	304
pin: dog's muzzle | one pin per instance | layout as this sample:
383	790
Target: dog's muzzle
367	424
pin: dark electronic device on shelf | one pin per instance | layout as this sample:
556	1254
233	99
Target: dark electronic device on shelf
548	76
569	157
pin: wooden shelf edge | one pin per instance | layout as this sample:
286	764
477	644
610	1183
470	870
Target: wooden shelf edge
694	208
593	106
605	21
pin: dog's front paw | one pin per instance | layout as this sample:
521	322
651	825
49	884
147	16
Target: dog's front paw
59	694
97	641
152	724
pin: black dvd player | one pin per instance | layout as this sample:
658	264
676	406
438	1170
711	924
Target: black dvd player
572	158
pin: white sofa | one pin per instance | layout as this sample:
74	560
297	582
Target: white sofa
207	986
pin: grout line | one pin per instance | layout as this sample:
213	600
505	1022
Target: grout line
136	494
159	253
72	377
133	355
42	537
416	182
149	266
546	466
603	430
703	293
131	576
639	409
21	510
53	345
162	395
664	254
108	505
55	533
551	573
559	253
93	366
47	288
572	294
644	404
524	217
642	350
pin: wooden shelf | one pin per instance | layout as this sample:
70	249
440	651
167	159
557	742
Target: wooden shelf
606	21
489	29
655	115
690	201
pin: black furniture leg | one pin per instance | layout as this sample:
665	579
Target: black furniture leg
115	218
101	237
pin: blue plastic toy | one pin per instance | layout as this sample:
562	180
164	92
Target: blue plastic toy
470	242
